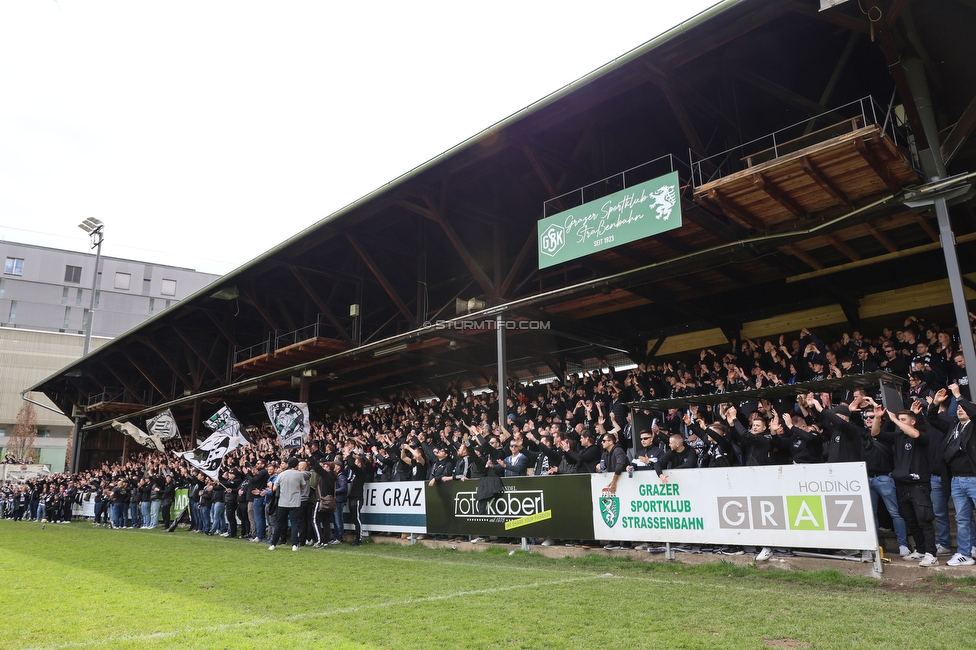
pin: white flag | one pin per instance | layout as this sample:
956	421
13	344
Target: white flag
290	420
140	436
163	426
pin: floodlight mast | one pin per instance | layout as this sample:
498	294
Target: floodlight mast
96	230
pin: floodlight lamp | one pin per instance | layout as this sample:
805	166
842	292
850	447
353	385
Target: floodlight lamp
90	225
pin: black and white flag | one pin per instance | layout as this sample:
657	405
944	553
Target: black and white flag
225	420
149	440
163	425
228	435
209	455
290	420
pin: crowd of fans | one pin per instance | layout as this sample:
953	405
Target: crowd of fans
917	457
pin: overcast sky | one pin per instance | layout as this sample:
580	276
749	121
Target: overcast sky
204	133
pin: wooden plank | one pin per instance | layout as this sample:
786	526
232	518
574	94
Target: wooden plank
801	255
735	212
823	182
879	168
777	195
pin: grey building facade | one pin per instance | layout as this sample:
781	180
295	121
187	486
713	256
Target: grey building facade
45	295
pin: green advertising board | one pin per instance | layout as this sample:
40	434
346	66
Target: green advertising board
640	211
534	506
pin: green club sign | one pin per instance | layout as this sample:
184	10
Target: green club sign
640	211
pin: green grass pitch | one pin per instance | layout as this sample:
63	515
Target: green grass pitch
75	586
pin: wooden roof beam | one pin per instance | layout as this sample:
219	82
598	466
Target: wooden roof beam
828	186
125	385
378	274
176	371
322	307
960	133
882	238
785	94
479	275
529	244
848	252
540	171
144	374
778	195
801	255
729	207
249	299
894	58
200	357
663	81
879	167
861	26
920	220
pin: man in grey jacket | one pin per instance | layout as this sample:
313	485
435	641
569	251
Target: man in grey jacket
289	486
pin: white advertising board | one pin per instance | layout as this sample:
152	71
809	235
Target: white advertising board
397	507
794	506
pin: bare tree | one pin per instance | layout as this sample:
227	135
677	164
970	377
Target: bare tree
21	444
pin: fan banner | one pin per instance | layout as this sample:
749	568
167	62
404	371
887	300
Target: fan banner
290	421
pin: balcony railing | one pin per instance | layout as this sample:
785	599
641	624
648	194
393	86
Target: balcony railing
843	119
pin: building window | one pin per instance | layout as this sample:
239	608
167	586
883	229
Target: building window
152	305
3	432
2	287
44	433
98	297
13	311
72	274
67	316
14	266
122	281
84	320
78	298
168	302
64	296
168	288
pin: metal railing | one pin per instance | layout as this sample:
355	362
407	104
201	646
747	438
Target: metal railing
621	180
277	340
109	395
856	114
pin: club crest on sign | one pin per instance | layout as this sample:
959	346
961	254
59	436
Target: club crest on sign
610	509
552	240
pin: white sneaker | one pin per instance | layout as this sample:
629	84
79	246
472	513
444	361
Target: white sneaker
942	550
903	551
478	540
914	555
960	560
271	548
764	554
929	560
640	547
547	541
294	548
